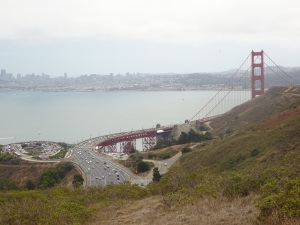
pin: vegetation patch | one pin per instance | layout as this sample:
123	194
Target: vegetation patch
7	158
184	138
186	150
61	205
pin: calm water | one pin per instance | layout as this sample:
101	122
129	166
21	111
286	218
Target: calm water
75	116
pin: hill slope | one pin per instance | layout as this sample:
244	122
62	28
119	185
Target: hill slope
258	109
234	179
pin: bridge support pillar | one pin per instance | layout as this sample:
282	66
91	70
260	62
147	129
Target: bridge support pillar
257	74
127	146
149	142
109	148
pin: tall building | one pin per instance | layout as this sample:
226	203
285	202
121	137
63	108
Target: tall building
3	73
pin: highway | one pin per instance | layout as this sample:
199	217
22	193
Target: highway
99	169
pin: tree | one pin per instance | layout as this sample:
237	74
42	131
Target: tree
185	150
163	143
50	177
77	180
183	138
193	136
142	166
156	174
208	136
30	185
68	166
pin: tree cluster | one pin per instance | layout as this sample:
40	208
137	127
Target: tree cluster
164	143
193	136
77	180
9	159
53	176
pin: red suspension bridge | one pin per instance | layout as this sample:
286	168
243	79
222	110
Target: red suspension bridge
247	82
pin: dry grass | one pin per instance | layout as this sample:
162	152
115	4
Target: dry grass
25	171
206	211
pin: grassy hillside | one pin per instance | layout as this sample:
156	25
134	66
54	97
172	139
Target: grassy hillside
259	146
260	159
249	175
256	110
16	175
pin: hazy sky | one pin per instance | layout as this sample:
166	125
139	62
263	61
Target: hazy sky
157	36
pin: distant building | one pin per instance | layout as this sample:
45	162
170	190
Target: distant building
3	72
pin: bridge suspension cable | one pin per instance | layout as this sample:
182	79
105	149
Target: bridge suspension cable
277	70
236	88
240	84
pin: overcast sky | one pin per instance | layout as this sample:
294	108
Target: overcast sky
158	36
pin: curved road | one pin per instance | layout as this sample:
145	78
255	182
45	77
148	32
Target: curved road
99	169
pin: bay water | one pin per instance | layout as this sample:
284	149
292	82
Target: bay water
72	117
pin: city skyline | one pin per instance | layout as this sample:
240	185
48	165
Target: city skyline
101	37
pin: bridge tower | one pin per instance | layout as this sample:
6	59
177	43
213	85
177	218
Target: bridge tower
257	74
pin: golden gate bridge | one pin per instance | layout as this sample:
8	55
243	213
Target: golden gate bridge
248	82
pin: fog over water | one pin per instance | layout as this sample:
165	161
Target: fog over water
75	116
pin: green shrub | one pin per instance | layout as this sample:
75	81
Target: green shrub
77	180
193	136
142	166
231	162
165	155
163	143
254	152
280	200
67	166
236	184
7	158
152	156
8	184
186	150
51	177
30	185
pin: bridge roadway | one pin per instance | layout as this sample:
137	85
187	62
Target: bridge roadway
99	169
